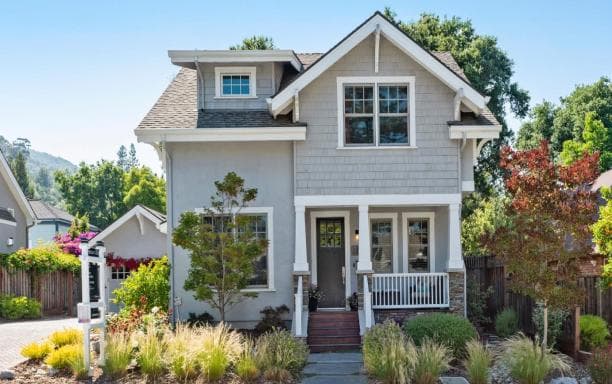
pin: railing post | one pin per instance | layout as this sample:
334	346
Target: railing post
299	296
367	303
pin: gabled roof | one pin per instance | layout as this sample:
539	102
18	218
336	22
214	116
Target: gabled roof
378	22
44	211
13	186
140	212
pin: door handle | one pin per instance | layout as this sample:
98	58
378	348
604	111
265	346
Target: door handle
344	275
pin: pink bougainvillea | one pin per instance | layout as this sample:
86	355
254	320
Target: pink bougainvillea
129	264
72	245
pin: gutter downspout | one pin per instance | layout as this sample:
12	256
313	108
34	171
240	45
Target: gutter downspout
169	227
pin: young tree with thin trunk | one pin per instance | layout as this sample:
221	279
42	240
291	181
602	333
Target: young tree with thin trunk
550	212
222	248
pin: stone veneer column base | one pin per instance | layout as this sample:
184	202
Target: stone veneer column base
457	292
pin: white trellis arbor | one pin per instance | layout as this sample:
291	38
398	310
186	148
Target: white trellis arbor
96	256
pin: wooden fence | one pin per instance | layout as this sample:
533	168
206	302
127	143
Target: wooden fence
58	292
488	272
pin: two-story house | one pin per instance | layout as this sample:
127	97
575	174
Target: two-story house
361	157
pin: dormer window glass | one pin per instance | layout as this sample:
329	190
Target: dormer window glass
235	82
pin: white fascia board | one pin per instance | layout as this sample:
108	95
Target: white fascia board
377	200
8	222
13	185
154	135
474	131
189	57
137	210
474	100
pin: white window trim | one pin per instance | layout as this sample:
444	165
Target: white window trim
394	237
7	222
431	216
375	81
314	215
248	71
269	211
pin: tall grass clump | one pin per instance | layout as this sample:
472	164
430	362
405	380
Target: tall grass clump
506	323
66	337
477	362
37	351
182	352
219	347
387	354
118	355
528	361
76	363
279	351
150	357
431	361
246	367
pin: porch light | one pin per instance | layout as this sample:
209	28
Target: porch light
356	234
10	241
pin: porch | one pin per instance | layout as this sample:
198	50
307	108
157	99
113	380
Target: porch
397	252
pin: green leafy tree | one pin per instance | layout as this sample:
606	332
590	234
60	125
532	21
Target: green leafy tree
602	235
595	138
122	158
538	128
255	42
222	248
489	70
18	166
142	186
132	160
95	191
550	206
79	225
145	288
485	219
43	178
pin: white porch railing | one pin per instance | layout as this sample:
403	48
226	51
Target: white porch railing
299	297
367	303
409	290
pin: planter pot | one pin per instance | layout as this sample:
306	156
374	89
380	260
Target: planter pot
313	304
354	308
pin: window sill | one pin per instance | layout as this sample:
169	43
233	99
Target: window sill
234	97
381	147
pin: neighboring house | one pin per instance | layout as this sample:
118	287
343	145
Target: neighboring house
50	221
15	212
360	155
138	234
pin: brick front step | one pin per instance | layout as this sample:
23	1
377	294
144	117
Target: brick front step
316	348
318	324
333	331
334	340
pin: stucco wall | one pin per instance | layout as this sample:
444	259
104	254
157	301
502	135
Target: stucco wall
18	233
266	166
264	88
431	168
44	232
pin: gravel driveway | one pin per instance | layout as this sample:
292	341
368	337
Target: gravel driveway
13	336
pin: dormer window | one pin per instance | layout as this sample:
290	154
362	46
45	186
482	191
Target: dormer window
235	82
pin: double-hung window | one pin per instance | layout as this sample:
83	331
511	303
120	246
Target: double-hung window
376	112
235	82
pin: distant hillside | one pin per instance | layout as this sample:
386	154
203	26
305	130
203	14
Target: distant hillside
40	160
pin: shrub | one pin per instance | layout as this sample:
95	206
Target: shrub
279	349
593	332
21	307
387	353
246	368
150	353
451	330
272	318
506	323
149	281
201	319
432	359
600	366
118	355
66	336
181	354
62	357
477	362
43	258
528	362
37	351
477	303
219	348
556	317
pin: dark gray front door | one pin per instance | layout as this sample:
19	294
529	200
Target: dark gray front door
330	261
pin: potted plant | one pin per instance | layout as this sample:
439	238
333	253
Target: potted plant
353	301
314	296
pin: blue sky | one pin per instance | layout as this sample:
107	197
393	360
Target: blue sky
76	77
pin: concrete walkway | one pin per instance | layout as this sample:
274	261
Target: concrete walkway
15	335
334	368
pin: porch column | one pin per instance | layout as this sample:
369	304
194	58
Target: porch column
364	265
455	256
300	264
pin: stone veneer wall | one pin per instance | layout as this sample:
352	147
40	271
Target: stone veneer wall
457	292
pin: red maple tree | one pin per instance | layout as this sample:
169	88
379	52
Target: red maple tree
550	212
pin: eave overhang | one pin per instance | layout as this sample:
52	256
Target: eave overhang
156	135
189	58
474	131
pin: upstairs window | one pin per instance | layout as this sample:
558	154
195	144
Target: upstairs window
235	82
376	112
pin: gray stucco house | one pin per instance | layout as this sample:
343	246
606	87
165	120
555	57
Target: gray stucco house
49	221
361	156
15	212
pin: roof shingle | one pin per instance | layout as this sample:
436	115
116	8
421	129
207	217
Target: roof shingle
44	211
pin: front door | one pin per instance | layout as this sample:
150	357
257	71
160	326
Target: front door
330	261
